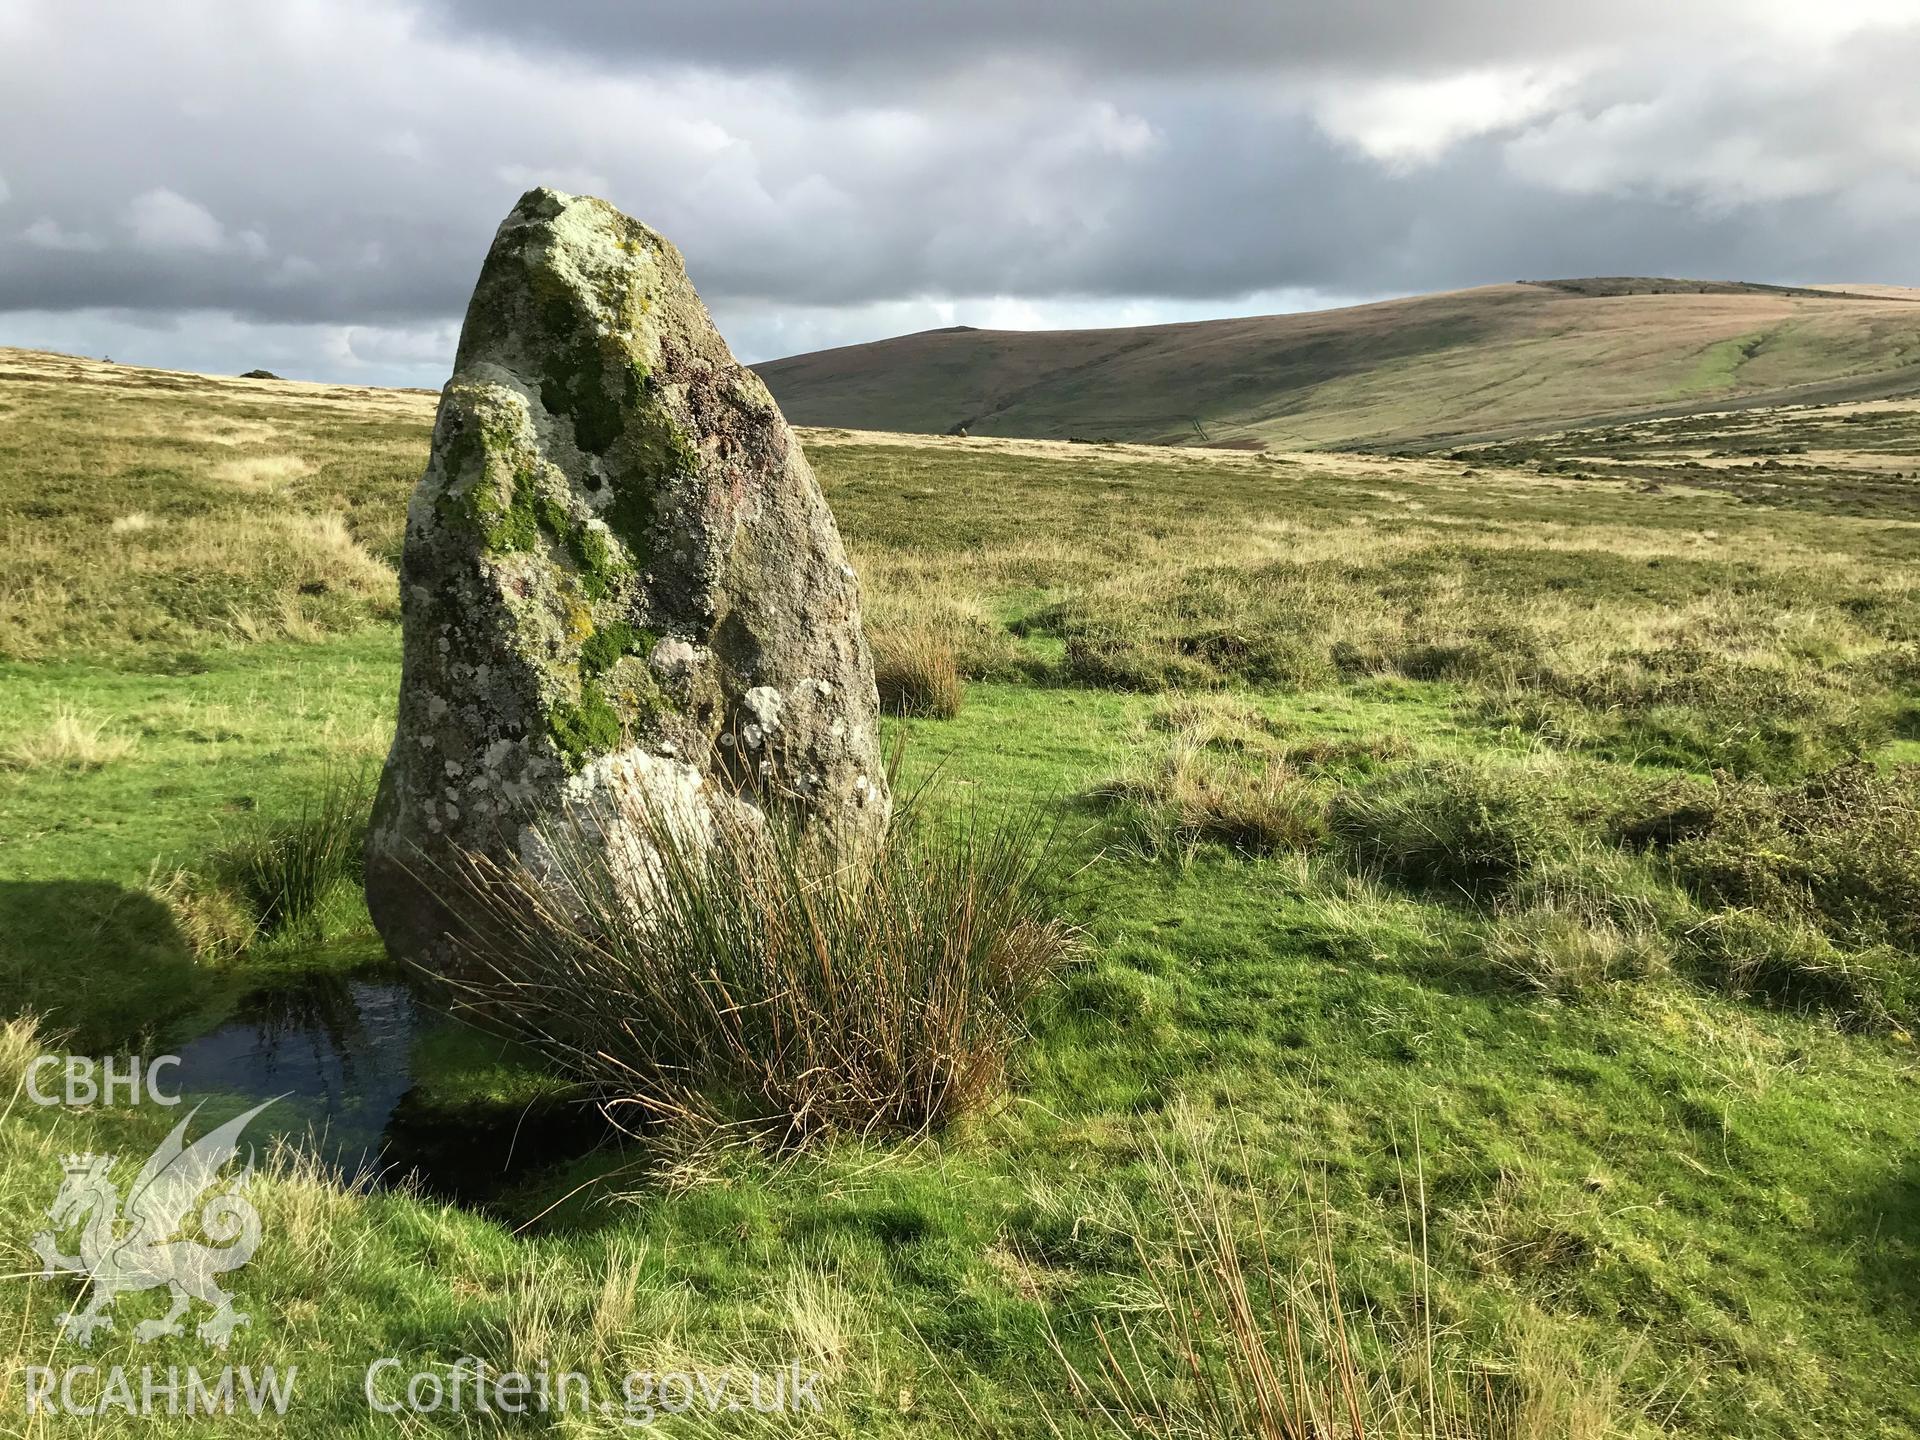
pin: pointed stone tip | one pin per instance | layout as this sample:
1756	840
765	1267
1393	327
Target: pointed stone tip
543	202
605	480
544	205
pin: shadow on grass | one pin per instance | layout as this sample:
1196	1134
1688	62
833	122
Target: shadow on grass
103	963
1882	1227
517	1161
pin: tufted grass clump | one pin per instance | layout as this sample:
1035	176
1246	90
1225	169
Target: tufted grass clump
72	741
743	977
1244	1324
1840	851
1791	963
212	921
1556	950
1581	921
1453	824
1192	795
22	1041
917	672
283	868
1692	708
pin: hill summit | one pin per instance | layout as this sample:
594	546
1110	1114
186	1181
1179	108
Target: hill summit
1429	370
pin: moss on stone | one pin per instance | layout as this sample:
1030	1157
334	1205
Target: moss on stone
630	516
579	622
579	382
593	557
465	452
605	646
505	525
591	727
660	451
516	528
491	486
500	524
598	722
640	696
550	514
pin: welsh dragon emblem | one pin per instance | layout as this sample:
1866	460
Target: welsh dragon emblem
141	1249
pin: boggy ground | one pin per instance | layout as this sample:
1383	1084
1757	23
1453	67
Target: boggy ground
1506	868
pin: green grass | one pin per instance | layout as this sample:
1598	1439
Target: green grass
1718	367
1658	1143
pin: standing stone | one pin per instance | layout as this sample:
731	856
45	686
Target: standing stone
622	590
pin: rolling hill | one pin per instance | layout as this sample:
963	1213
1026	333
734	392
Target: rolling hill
1435	369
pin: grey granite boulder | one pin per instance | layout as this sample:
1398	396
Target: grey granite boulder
622	591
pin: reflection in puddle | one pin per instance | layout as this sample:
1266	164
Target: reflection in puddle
340	1049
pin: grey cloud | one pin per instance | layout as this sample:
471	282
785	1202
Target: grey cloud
1130	37
304	168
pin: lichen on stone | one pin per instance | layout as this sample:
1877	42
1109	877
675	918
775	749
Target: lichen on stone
618	565
581	383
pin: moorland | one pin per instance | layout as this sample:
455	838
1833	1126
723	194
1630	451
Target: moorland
1428	371
1495	872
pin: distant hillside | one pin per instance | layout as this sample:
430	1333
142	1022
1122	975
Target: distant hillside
1475	364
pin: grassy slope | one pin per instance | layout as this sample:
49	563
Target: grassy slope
1462	362
1716	1197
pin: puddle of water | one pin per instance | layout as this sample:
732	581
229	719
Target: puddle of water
340	1049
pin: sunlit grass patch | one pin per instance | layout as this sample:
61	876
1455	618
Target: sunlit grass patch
72	740
1242	1325
22	1041
1660	1061
916	672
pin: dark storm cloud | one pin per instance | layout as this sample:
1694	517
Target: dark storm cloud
1133	37
334	171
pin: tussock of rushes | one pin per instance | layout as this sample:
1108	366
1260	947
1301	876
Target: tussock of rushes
1231	724
757	983
917	672
72	740
282	868
1841	851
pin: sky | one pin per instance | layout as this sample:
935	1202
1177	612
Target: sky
309	186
